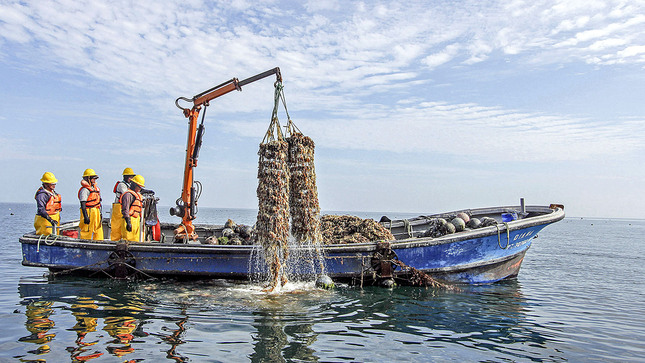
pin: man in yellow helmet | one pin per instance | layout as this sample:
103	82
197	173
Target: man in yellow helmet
116	218
131	209
48	204
91	223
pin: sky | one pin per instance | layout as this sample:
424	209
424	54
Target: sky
416	106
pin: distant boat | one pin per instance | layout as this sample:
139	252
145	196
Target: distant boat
474	256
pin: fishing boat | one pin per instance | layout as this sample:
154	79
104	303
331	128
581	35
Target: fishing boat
474	256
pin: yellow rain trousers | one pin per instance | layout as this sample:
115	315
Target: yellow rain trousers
94	230
43	226
136	228
116	221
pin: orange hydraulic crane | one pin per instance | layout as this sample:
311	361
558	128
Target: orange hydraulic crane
186	207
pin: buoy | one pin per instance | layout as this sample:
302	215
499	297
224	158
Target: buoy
325	282
474	223
448	228
459	224
156	231
464	216
228	233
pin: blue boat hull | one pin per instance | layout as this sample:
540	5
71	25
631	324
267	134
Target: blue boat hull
476	256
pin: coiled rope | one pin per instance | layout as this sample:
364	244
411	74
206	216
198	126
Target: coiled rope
56	236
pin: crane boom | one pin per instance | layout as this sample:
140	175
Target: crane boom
186	208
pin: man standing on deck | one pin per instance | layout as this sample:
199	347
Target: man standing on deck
116	218
48	204
131	208
91	223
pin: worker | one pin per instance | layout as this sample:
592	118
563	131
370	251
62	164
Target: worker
131	209
116	218
91	223
48	204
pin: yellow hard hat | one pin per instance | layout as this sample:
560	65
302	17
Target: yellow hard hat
89	172
49	178
139	180
128	171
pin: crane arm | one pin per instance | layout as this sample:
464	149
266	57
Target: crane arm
187	208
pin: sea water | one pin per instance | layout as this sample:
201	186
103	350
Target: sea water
579	297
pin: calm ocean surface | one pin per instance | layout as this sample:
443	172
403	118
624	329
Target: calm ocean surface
579	297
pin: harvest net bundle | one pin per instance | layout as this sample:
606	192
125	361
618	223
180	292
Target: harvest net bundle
303	203
303	193
272	226
287	188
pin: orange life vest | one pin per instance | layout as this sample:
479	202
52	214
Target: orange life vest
137	203
94	199
53	205
117	185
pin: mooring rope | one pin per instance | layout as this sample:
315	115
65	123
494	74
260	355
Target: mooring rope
78	268
408	227
508	236
420	278
40	237
139	271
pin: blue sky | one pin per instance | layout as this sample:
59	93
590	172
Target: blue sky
426	106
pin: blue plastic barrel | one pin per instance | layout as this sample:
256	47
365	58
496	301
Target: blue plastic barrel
508	217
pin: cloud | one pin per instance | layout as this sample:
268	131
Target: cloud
571	24
605	44
12	149
485	133
442	57
157	47
361	61
318	5
632	51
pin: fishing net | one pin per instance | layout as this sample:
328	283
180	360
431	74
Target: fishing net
303	193
419	278
272	225
351	229
287	190
303	204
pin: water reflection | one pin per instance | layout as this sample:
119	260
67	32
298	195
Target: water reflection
94	313
270	339
39	324
281	337
85	323
196	321
175	338
120	328
489	318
